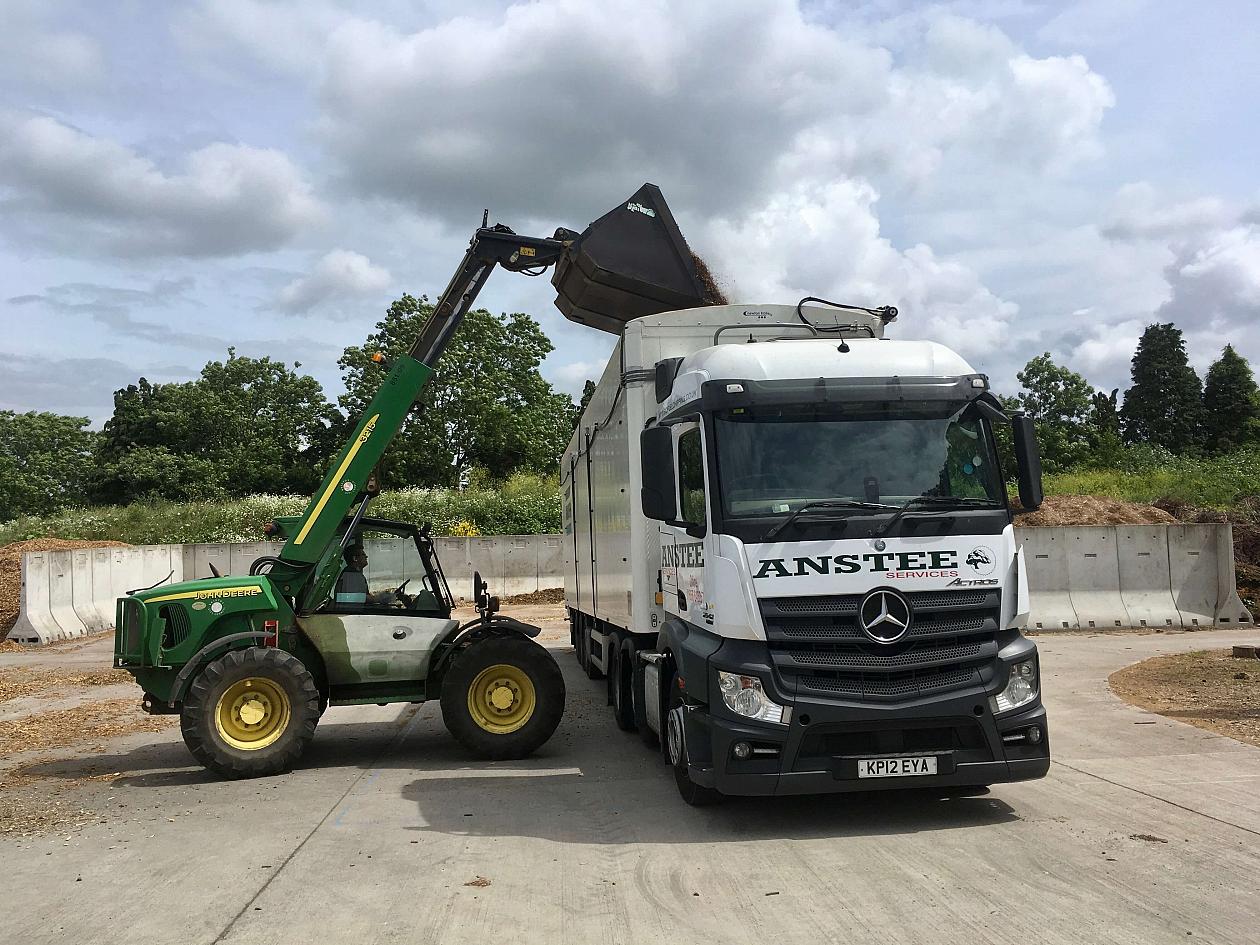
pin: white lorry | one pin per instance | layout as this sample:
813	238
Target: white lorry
790	552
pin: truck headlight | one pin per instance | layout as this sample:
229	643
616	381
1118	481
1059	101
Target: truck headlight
1022	687
745	696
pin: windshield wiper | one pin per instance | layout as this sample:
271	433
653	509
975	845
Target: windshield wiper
824	504
942	503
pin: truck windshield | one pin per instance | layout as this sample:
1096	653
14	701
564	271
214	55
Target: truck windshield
772	461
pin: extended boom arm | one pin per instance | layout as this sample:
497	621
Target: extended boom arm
346	481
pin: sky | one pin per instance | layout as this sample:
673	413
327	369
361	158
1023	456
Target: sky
1015	176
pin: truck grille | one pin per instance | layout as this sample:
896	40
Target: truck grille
816	645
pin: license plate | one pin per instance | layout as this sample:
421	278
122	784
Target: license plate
895	767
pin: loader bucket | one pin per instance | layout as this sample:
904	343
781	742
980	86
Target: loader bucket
632	261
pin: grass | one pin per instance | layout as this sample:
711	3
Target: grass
524	505
1220	482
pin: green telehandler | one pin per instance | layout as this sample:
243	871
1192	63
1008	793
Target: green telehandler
251	662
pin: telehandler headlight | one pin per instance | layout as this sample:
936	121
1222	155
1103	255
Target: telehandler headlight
745	696
1022	687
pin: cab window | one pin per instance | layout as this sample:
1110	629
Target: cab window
691	477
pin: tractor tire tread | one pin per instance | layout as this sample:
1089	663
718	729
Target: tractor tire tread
197	717
549	695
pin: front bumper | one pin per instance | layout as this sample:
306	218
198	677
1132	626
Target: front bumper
818	752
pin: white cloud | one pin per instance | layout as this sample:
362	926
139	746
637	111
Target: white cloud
572	376
35	53
726	104
71	188
826	241
1139	212
340	274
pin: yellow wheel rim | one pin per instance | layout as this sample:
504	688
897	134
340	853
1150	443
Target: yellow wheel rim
501	699
252	713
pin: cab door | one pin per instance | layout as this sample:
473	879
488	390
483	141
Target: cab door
683	541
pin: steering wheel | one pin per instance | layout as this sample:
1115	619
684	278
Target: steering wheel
213	569
399	595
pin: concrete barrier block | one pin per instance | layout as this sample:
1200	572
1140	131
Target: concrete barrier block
453	555
520	563
81	592
126	571
205	555
103	599
61	594
1145	581
35	623
485	555
1194	568
1093	570
1230	610
1046	560
241	556
552	560
155	565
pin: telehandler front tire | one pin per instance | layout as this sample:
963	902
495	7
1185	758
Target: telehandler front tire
503	697
250	713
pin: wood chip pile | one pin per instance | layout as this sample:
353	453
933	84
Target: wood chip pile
1093	510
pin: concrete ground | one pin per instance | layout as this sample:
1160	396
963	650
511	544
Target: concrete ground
1145	831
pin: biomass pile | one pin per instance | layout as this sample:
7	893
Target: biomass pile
11	571
1094	510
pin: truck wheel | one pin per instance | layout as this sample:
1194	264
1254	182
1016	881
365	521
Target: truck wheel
620	685
250	713
676	754
638	701
503	697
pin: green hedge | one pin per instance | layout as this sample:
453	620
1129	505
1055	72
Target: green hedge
1145	474
525	505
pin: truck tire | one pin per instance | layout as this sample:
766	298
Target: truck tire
676	754
250	713
503	697
620	686
638	699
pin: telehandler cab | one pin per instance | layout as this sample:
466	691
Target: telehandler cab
251	662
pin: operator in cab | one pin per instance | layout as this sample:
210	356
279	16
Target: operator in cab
352	586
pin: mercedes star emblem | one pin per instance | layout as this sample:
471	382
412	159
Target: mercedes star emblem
884	616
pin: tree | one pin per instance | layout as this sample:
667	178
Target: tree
44	462
1057	399
588	391
245	425
487	405
1106	443
1164	405
1231	404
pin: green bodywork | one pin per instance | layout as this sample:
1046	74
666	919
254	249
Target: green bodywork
165	634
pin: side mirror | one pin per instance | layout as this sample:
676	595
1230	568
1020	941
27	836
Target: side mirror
656	454
1028	460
